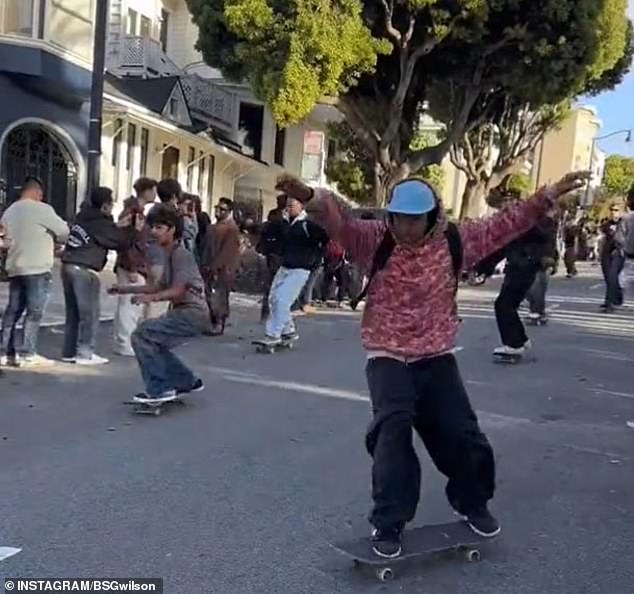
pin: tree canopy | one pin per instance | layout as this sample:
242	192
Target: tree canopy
381	59
618	177
351	166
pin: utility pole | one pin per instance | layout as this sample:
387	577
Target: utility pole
96	95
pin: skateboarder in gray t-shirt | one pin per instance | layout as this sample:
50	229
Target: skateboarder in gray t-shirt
164	375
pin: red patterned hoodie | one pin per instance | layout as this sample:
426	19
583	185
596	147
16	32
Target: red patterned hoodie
410	308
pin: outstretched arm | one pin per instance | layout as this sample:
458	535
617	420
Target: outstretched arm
359	238
481	238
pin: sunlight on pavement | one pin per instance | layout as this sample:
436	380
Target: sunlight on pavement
63	369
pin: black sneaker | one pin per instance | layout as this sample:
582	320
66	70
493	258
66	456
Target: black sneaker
387	543
483	523
198	386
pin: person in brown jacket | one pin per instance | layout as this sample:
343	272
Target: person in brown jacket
219	263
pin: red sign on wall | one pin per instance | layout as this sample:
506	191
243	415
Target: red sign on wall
313	143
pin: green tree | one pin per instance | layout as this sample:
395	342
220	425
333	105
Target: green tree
351	167
602	204
381	59
618	177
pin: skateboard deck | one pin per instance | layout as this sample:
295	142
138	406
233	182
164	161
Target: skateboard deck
153	408
537	321
262	347
417	542
513	359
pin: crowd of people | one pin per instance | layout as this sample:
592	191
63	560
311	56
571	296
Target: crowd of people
171	259
175	270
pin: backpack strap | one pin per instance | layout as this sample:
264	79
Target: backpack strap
381	256
455	249
386	247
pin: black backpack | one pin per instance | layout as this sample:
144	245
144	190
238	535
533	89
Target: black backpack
387	245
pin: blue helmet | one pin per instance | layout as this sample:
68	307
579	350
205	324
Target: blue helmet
412	197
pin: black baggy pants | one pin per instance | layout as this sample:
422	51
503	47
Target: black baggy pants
429	397
517	283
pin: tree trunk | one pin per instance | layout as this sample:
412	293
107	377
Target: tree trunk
380	186
471	192
384	181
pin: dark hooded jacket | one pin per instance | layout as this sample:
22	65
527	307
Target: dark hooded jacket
91	236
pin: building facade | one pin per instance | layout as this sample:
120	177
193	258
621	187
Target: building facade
165	112
45	79
571	147
168	114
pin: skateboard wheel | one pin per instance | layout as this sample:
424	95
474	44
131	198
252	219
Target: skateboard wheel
157	412
473	555
385	574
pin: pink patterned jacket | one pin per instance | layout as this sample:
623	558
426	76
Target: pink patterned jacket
410	308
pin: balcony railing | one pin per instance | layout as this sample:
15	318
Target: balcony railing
144	57
209	101
141	56
17	17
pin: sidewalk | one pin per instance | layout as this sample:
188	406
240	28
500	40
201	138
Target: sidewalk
55	311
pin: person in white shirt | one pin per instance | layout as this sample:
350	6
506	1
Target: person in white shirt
32	228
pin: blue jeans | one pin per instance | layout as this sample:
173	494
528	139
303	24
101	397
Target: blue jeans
152	343
285	289
82	291
28	293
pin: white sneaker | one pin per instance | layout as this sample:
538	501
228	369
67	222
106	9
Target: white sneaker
69	359
10	361
507	350
164	397
93	360
35	361
630	424
123	353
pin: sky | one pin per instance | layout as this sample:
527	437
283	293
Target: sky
616	111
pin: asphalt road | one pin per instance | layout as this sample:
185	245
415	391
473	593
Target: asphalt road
240	491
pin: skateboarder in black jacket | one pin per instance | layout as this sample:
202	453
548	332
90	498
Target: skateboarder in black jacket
525	258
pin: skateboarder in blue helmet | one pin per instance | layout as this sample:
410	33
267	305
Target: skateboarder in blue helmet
409	327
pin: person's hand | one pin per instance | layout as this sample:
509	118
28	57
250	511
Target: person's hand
294	188
141	299
125	221
572	181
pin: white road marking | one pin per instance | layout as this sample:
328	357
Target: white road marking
597	286
6	552
609	355
611	393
